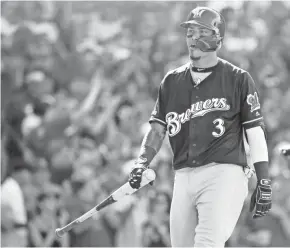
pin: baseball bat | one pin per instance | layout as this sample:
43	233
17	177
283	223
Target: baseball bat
147	177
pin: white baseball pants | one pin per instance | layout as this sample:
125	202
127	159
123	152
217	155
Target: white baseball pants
206	204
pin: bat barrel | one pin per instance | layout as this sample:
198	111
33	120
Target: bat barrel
61	231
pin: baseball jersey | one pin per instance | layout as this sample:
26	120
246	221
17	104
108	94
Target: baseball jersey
205	123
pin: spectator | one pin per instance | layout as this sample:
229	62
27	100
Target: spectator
93	232
48	216
156	229
12	199
132	212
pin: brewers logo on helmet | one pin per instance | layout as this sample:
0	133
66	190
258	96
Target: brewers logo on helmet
210	19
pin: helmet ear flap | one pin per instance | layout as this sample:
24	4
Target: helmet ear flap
220	43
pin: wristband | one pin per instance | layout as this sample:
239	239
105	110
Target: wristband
262	170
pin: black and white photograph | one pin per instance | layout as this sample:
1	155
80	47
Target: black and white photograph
145	123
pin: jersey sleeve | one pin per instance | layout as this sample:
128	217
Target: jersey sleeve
251	114
159	112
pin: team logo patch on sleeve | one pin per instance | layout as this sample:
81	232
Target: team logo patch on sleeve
253	101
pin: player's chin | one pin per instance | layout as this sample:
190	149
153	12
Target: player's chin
195	58
195	54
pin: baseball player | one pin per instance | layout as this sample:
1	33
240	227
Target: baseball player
206	106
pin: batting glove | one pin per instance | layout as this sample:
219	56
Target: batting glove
261	198
135	177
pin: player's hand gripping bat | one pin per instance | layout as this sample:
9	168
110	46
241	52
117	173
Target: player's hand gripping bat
147	177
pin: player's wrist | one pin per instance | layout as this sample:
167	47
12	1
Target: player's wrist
262	170
140	165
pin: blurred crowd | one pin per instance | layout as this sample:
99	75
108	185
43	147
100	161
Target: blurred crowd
78	83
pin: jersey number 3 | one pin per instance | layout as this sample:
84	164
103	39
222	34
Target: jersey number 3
219	125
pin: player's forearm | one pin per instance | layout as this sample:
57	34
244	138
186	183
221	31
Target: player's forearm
151	144
89	102
106	116
259	151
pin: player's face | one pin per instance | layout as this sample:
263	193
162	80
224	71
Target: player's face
195	32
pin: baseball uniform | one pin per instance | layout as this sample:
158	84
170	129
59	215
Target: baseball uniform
205	123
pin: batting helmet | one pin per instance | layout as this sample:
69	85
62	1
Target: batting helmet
210	19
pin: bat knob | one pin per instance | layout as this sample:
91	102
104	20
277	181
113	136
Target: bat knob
150	175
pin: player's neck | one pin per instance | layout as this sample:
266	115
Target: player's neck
205	62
